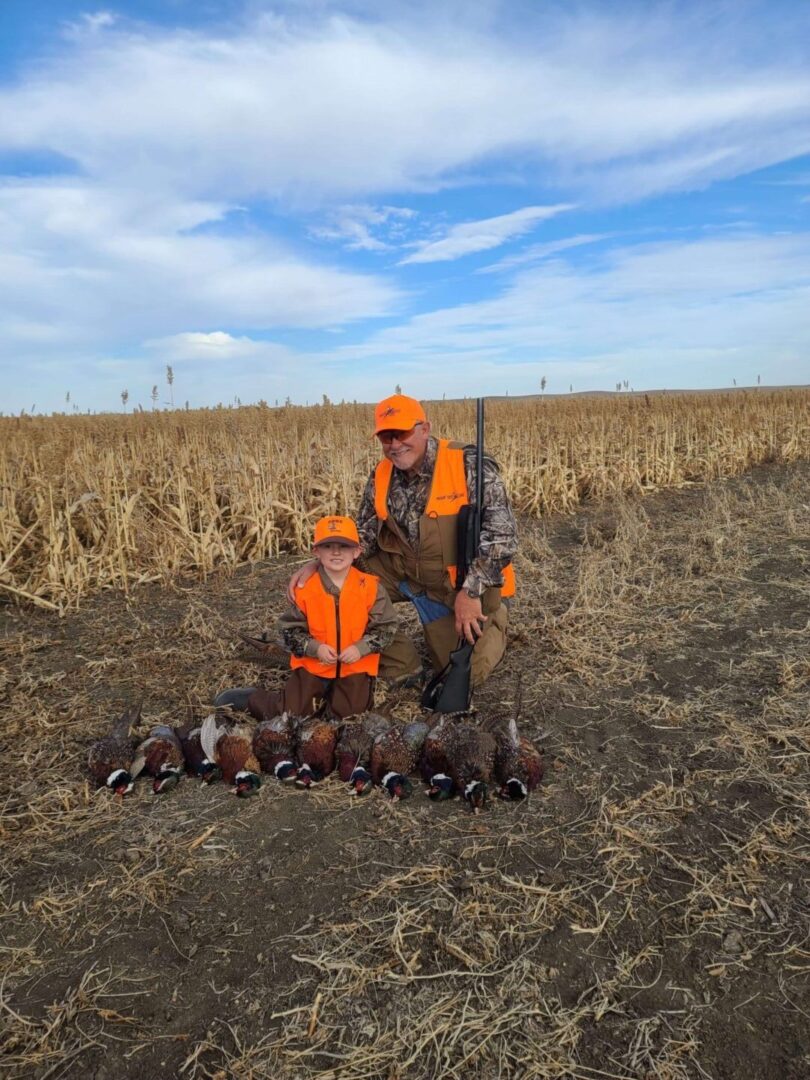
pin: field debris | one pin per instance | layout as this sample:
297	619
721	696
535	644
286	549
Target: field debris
643	914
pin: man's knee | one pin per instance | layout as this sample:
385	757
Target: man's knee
442	639
490	647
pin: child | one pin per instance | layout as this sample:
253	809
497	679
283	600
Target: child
341	621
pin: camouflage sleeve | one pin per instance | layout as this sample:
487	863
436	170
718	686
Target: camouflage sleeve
383	623
366	520
498	527
294	632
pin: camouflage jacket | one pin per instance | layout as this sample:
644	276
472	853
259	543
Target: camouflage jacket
407	499
382	624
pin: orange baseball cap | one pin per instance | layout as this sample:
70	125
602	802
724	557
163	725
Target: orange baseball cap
332	529
398	413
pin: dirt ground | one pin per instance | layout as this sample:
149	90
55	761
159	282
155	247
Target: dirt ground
646	914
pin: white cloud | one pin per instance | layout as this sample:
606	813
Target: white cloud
89	23
308	112
108	266
473	236
219	346
677	313
355	226
189	145
724	305
536	252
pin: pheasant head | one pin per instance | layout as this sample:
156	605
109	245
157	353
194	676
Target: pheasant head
359	781
441	787
246	783
398	786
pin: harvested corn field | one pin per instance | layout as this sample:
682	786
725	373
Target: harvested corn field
643	915
115	501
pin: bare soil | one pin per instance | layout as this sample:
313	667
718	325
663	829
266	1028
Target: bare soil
646	914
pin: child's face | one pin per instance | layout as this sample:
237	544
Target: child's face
336	557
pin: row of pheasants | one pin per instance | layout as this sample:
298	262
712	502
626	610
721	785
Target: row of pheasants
453	755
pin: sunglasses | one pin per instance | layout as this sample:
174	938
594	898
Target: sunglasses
388	436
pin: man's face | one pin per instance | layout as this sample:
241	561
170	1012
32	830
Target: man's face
405	449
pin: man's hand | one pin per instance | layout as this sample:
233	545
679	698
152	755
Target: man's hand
350	655
469	617
327	655
301	577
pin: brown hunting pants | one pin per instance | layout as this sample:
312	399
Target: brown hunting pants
303	693
401	657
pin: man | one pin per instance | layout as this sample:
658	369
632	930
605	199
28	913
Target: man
407	527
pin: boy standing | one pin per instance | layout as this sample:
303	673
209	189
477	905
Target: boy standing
340	622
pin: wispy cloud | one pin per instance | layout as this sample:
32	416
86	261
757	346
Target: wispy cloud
88	23
361	228
727	301
218	346
536	252
109	266
473	236
200	156
589	102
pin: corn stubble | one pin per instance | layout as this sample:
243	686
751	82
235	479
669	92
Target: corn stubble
94	502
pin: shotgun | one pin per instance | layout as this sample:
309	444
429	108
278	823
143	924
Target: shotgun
451	690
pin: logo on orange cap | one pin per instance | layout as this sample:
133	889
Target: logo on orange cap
398	413
330	529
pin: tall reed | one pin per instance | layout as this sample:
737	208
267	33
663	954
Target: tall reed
109	501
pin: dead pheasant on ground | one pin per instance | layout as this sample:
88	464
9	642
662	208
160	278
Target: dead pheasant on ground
315	752
468	756
228	743
110	760
518	762
394	755
274	745
353	750
160	756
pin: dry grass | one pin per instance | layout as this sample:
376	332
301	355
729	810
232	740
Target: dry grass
115	501
643	916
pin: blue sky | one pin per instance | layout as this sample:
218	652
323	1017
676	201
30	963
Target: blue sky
298	199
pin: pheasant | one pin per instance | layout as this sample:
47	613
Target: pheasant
274	746
433	759
470	761
357	736
110	760
394	754
228	743
518	762
160	755
315	751
196	762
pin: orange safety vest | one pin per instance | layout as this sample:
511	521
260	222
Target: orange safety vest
338	621
448	493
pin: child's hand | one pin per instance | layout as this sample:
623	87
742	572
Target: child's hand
327	655
350	655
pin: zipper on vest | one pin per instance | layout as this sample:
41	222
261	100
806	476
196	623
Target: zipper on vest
337	628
